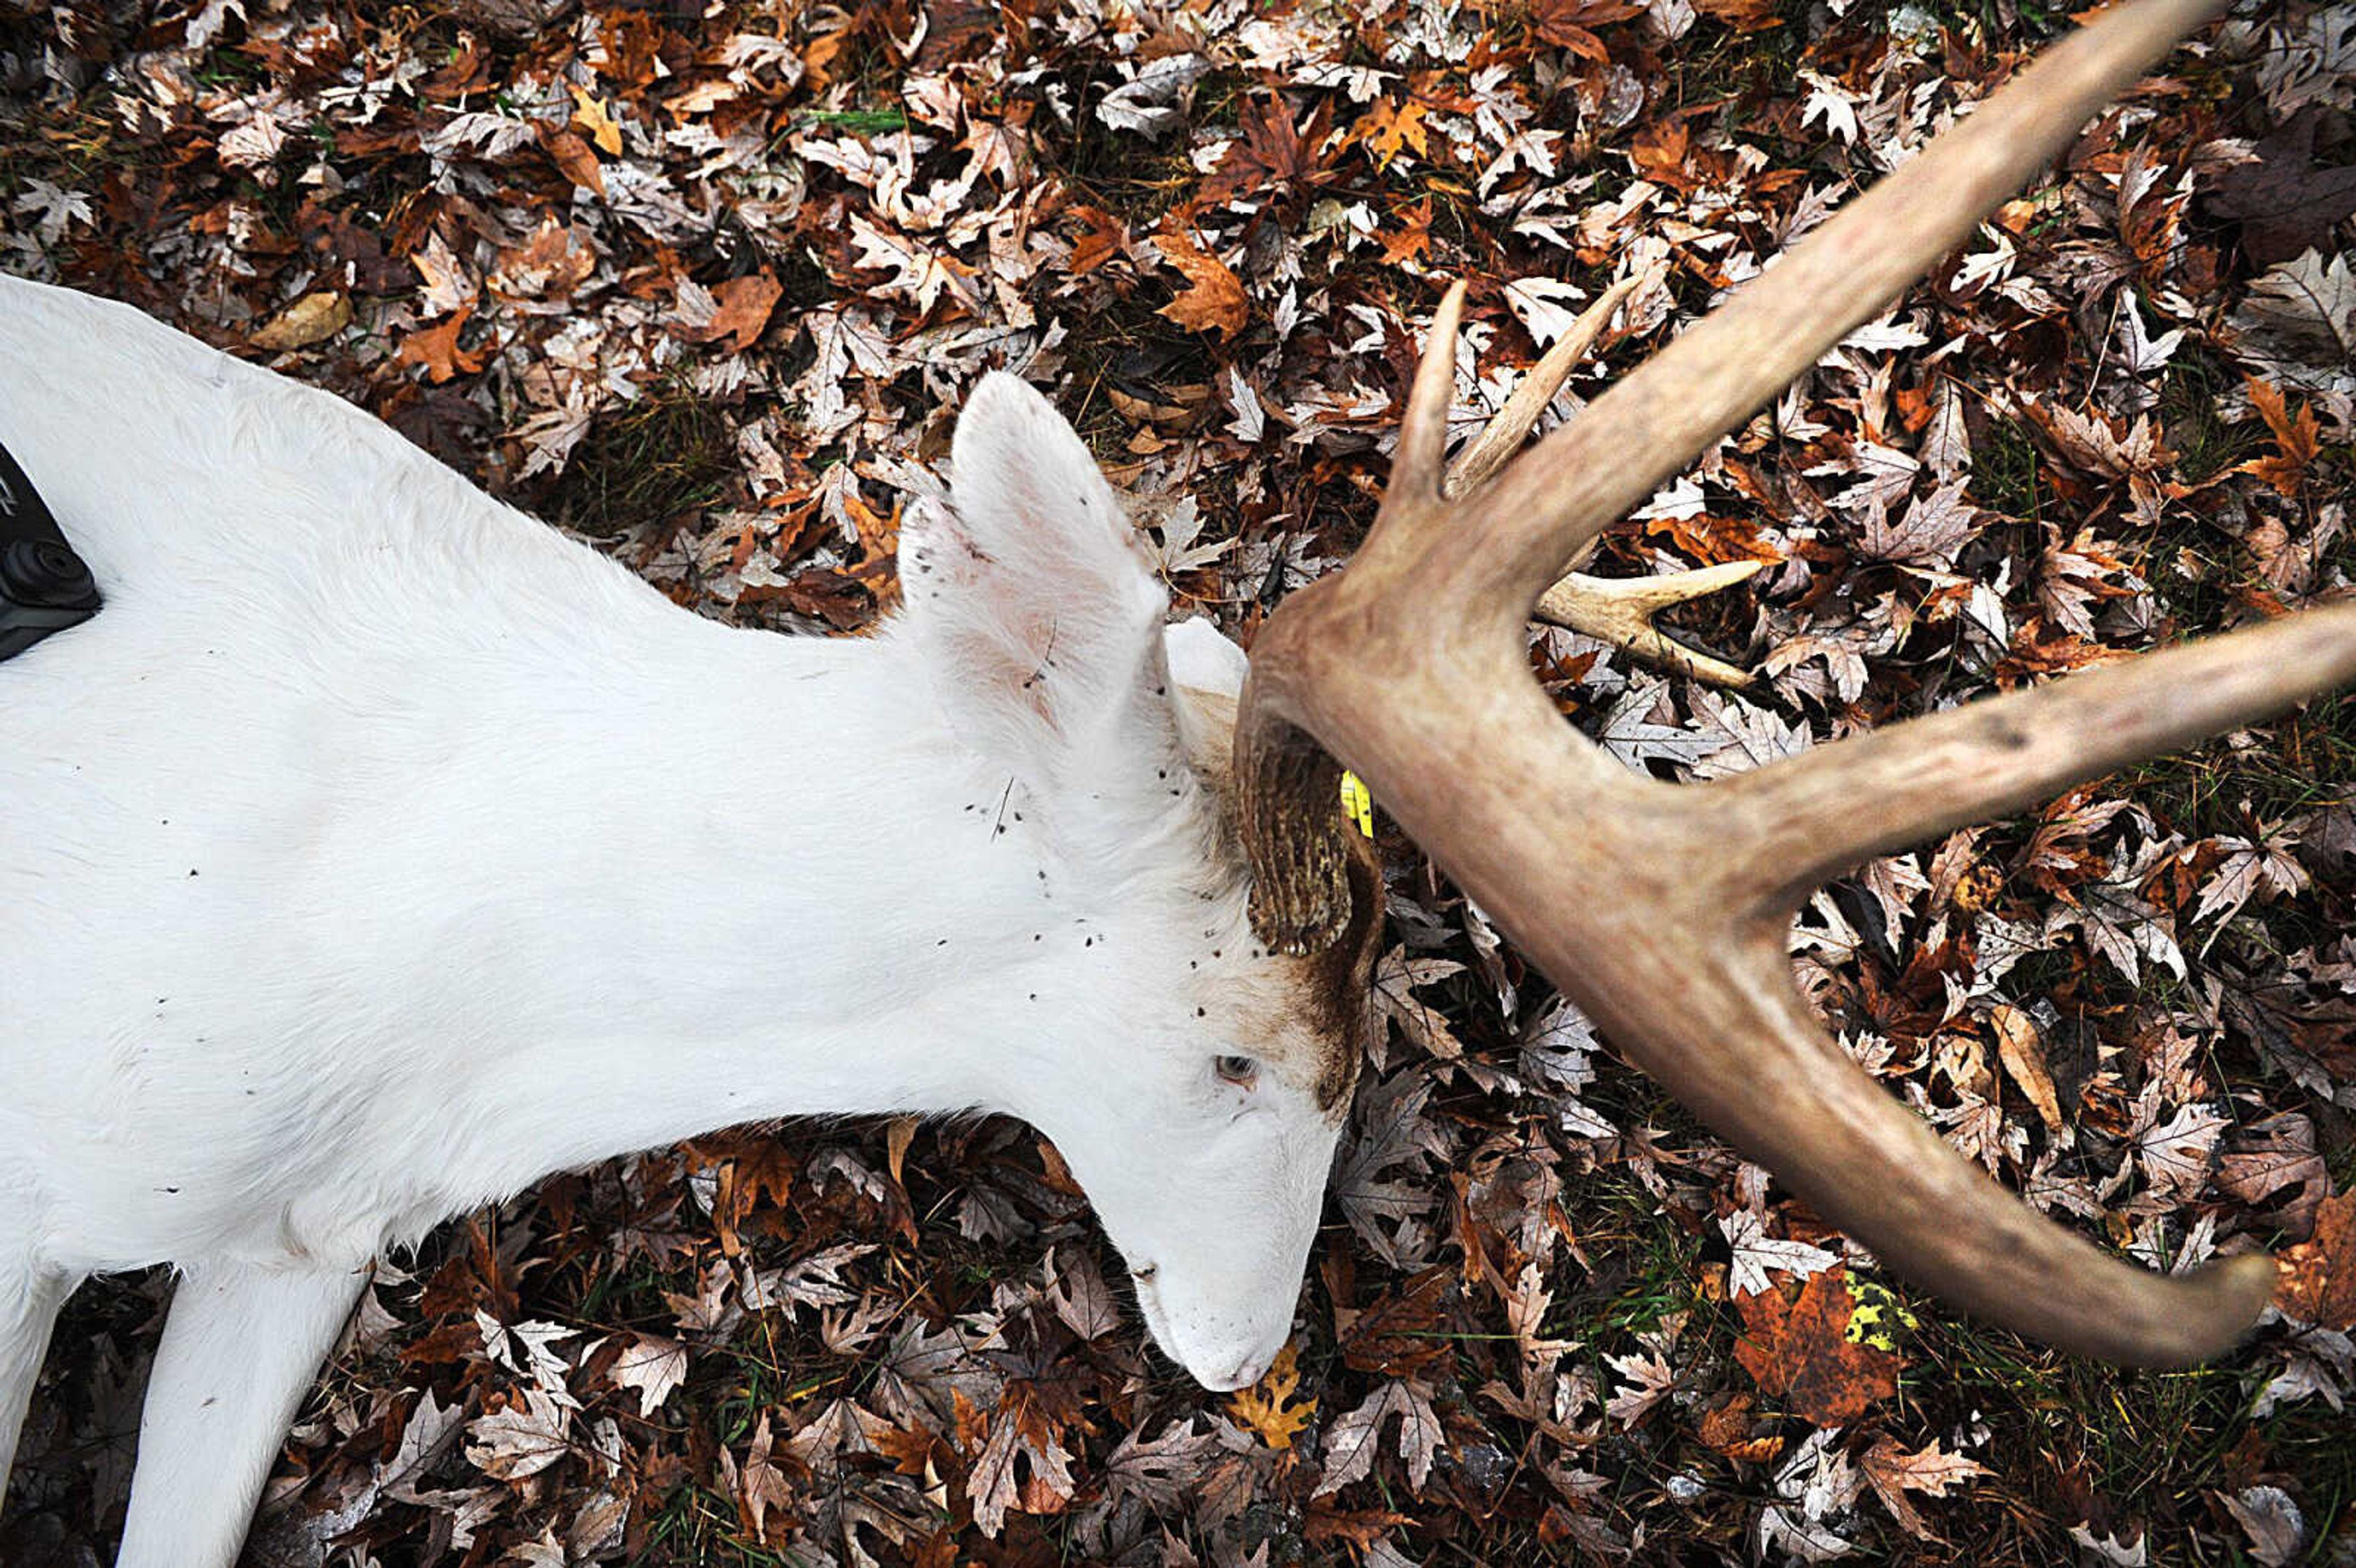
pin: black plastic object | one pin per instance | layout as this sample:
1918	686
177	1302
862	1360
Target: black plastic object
44	586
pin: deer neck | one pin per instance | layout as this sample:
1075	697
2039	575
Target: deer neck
755	877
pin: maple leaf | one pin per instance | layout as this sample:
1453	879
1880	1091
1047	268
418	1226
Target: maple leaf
1393	128
1799	1349
1272	151
520	1440
2271	1155
1159	1471
652	1366
2296	436
1892	1472
1268	1408
1650	1379
2298	325
1214	297
1352	1442
2318	1275
1755	1252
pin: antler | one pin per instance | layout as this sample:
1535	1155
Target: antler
1411	664
1617	611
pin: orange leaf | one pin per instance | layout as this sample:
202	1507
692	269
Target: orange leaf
2318	1275
590	114
2297	435
436	349
1390	128
1799	1349
1266	1407
1214	299
1412	238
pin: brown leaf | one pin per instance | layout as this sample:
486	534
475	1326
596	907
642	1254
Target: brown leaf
573	159
436	349
1744	16
740	314
1214	298
1797	1350
2318	1275
2022	1049
314	318
1892	1472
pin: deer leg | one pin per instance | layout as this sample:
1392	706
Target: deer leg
241	1347
28	1306
1620	611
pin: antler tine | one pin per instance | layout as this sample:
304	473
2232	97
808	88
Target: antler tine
1639	899
1502	436
1416	467
1796	822
1620	611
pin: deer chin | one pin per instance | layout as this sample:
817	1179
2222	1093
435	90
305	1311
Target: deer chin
1220	1368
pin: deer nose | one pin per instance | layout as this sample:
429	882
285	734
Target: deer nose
1246	1372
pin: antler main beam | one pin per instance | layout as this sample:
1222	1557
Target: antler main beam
1411	664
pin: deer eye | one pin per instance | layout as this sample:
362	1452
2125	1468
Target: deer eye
1238	1070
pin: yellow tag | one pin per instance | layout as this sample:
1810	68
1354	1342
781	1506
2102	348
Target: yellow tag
1877	1318
1356	804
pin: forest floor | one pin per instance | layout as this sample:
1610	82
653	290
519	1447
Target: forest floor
706	287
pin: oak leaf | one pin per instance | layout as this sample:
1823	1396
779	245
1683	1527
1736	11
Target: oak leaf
1799	1350
590	114
436	347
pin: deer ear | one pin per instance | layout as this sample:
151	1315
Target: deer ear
1032	601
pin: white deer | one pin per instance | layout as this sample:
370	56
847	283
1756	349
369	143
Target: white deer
375	851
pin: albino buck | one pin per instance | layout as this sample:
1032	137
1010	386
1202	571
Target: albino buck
376	851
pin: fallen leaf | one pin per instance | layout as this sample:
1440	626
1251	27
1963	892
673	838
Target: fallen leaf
652	1367
590	114
1892	1472
1214	299
2021	1048
1268	1408
436	347
314	318
573	159
2318	1275
1800	1351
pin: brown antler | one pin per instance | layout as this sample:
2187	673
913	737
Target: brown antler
1617	610
1411	665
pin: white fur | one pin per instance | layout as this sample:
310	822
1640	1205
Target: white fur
377	852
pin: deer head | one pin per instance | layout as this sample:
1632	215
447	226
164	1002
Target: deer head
1197	1081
